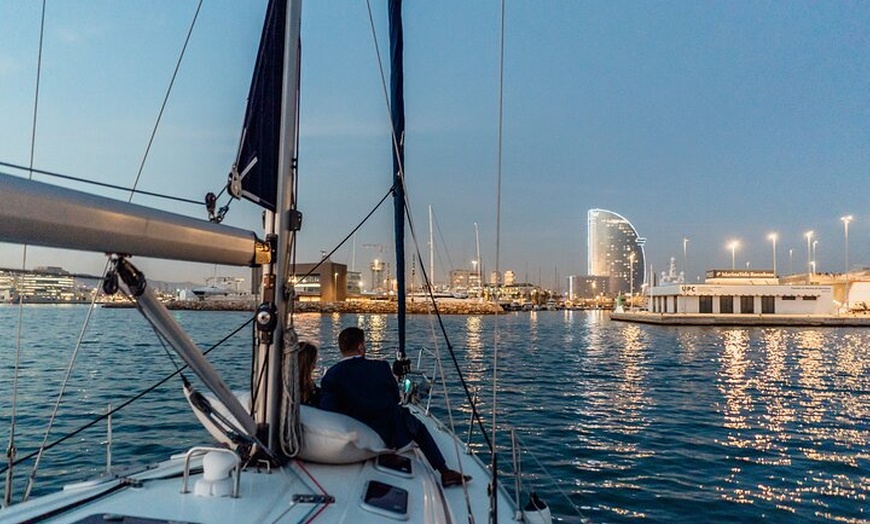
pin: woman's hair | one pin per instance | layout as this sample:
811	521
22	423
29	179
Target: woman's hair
307	363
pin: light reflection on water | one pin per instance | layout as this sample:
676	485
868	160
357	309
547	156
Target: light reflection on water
666	424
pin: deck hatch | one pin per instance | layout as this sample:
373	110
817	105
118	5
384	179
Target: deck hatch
386	500
395	464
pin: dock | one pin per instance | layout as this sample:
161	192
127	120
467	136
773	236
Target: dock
742	320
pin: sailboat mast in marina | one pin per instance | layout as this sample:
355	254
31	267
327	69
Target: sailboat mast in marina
273	460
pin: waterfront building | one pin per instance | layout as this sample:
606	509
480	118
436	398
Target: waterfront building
42	284
510	277
614	249
732	292
324	281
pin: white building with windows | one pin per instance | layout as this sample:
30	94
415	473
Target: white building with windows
737	292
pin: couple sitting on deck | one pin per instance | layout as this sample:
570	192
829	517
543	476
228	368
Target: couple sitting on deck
367	391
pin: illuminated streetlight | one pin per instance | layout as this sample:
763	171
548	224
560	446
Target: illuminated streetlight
846	219
631	279
685	269
809	235
733	245
772	238
790	261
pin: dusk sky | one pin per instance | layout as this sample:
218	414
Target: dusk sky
714	121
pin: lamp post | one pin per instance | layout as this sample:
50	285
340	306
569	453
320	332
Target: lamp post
846	219
790	261
631	280
685	268
335	287
809	235
815	242
733	245
772	238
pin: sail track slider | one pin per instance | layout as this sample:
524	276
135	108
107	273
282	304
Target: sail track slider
312	499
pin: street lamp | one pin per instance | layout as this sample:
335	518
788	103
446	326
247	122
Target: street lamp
815	242
790	261
772	238
733	245
846	219
631	280
809	235
685	269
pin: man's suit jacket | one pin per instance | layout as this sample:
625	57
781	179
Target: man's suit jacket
367	391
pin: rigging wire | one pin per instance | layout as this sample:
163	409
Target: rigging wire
10	449
131	190
495	337
130	400
166	97
77	348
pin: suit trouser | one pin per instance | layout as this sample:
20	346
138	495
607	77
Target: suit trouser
420	434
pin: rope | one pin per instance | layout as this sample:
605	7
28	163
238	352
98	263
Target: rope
291	426
101	184
76	349
32	477
128	401
10	448
494	491
349	235
166	97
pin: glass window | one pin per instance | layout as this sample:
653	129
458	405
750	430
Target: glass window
726	304
768	305
809	298
705	304
747	304
789	297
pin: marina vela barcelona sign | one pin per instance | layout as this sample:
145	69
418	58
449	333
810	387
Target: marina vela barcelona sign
740	273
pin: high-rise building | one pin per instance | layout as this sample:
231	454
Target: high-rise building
615	250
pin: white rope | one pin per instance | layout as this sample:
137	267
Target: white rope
291	426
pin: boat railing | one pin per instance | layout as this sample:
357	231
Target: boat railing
519	483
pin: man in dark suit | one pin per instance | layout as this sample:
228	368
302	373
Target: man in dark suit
367	391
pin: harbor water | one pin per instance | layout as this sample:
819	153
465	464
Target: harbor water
634	422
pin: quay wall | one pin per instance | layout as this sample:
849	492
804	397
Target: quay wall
386	307
688	319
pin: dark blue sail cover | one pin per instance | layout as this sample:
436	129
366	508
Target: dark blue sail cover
255	174
397	108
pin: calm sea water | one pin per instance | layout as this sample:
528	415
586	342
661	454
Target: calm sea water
661	424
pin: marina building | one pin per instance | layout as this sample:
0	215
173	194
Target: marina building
738	292
615	250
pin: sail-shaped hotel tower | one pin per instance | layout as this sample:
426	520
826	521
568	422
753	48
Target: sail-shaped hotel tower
615	250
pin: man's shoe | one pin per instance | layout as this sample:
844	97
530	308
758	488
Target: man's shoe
450	478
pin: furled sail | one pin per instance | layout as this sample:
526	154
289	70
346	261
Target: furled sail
255	173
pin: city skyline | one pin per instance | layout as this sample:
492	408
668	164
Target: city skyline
714	123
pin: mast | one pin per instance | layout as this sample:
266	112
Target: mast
397	111
431	251
287	220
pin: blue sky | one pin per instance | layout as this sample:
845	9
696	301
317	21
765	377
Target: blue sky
708	120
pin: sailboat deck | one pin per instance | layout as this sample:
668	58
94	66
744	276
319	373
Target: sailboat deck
154	496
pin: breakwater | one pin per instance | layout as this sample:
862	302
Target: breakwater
368	307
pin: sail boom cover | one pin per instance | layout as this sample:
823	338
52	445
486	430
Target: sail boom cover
41	214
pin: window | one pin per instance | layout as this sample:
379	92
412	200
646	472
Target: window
809	298
726	304
768	305
705	304
789	297
747	304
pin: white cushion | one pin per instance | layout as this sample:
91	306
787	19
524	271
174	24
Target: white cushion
333	438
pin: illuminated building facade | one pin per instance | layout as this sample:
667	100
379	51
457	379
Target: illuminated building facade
615	250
